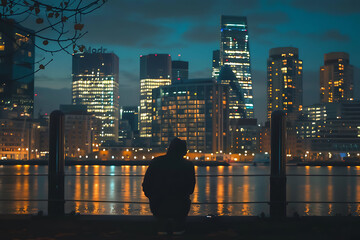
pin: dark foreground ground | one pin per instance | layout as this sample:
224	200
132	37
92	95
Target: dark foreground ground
222	228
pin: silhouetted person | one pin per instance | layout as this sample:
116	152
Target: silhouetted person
168	183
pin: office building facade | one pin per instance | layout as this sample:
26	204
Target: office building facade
82	131
234	51
17	56
155	71
215	64
195	112
96	85
284	82
336	78
180	71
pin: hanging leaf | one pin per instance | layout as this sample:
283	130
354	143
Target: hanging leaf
64	19
41	66
78	26
50	15
37	10
4	3
39	20
81	48
57	15
45	42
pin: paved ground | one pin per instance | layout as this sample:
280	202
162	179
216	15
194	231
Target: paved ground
222	228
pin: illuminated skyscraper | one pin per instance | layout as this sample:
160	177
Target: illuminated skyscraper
180	71
284	82
155	71
215	64
96	85
336	78
195	111
234	51
17	47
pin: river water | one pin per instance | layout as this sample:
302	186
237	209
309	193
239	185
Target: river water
122	184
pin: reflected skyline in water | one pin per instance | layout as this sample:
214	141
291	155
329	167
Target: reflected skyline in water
126	190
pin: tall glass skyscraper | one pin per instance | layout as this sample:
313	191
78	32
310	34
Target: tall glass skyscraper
234	51
17	47
96	85
155	71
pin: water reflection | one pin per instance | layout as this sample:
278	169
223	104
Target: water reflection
95	192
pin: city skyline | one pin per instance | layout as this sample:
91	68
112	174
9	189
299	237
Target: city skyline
195	34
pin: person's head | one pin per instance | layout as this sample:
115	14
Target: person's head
177	147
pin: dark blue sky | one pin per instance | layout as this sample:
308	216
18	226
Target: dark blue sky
191	28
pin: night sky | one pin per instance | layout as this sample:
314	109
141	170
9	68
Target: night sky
192	28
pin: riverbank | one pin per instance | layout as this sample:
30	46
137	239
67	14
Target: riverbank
329	163
138	227
105	163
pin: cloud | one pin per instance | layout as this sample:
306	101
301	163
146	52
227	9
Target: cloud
203	34
165	9
330	35
180	9
261	24
122	31
334	35
268	18
329	6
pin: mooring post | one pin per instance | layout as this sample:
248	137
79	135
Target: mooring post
278	165
56	202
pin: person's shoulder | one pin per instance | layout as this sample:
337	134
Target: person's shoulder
188	163
158	160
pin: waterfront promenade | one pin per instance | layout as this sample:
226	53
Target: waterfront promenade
135	227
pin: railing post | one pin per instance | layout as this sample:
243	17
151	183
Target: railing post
278	165
56	202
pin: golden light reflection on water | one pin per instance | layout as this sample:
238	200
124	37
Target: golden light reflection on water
307	209
208	189
358	189
330	212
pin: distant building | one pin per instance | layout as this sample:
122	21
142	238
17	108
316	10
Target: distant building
130	114
155	71
330	129
234	51
82	131
195	111
336	78
244	136
17	56
96	85
128	124
19	139
284	82
294	148
227	77
180	71
215	64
